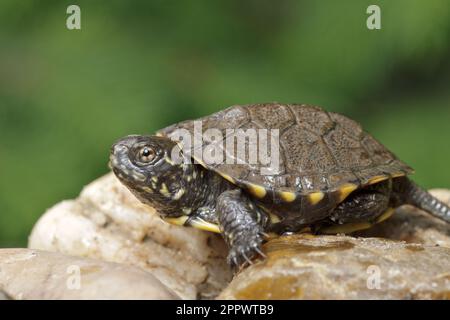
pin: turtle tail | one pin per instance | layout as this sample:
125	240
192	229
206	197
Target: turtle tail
411	193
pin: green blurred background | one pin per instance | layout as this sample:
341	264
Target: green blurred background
137	66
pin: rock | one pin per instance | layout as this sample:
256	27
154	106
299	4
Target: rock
4	295
341	267
106	222
33	274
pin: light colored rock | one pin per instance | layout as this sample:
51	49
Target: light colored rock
107	222
341	267
4	295
34	274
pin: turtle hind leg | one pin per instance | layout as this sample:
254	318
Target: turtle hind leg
360	210
242	226
407	192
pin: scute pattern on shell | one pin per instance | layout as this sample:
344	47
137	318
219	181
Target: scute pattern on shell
319	150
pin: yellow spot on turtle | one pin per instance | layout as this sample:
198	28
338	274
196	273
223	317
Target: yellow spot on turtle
345	190
179	221
315	197
159	134
169	161
138	176
274	218
256	190
164	191
147	189
201	224
178	194
377	179
200	162
287	196
228	178
389	212
397	174
346	228
155	179
186	210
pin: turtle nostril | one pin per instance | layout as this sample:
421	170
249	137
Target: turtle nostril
118	148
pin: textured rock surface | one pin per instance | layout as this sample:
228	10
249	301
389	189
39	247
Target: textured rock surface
340	267
106	222
4	295
33	274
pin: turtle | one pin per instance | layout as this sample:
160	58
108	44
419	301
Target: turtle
332	176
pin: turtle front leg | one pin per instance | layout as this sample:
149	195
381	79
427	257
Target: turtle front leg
242	225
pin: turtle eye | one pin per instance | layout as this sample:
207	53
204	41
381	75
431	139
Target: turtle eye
146	154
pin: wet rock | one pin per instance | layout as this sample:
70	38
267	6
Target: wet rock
34	274
106	222
341	267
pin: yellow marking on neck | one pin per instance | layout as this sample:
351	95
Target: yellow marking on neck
377	179
287	196
164	191
257	191
345	190
139	176
315	197
147	189
228	178
389	212
169	161
179	221
155	179
179	194
346	228
201	224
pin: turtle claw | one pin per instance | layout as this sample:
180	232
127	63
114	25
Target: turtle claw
242	255
264	235
247	259
233	261
262	254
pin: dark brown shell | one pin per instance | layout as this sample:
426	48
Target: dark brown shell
320	151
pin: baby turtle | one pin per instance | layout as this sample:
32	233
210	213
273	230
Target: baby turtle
332	177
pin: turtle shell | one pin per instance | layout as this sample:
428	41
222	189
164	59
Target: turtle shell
319	151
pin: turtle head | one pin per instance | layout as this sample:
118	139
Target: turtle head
144	165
